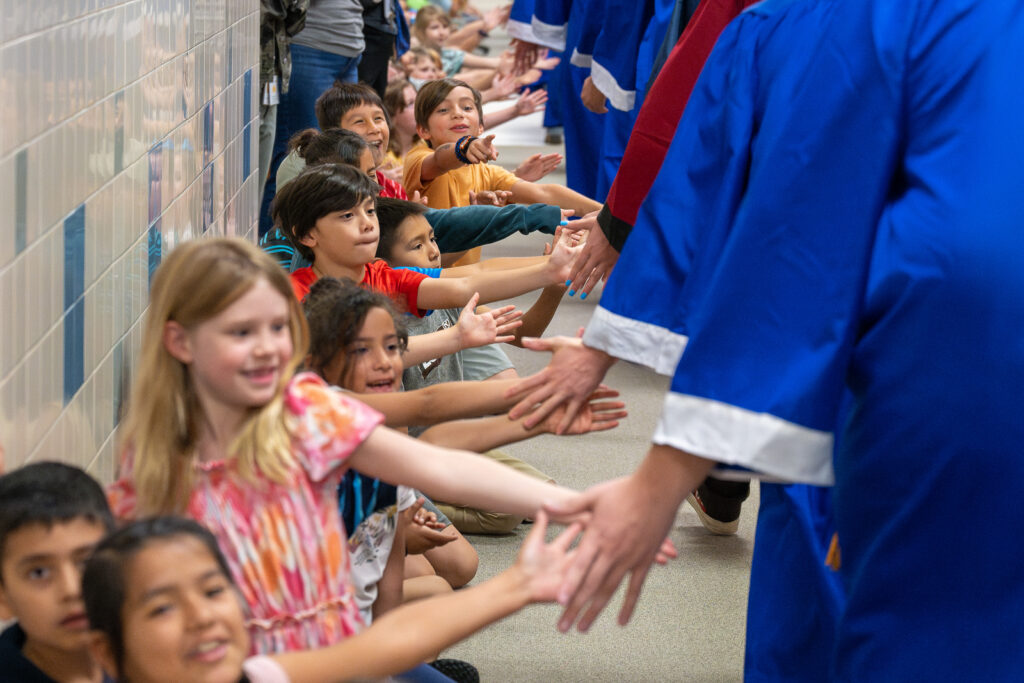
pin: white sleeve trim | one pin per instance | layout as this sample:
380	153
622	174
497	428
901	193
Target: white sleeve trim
759	441
623	100
581	60
520	30
549	35
655	347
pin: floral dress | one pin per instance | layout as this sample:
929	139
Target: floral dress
285	543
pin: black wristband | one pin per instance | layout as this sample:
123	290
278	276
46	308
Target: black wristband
461	147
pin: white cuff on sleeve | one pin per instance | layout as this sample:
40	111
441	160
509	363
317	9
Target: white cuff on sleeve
635	341
758	441
549	35
621	99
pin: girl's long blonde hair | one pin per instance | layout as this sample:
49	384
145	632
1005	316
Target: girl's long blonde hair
198	280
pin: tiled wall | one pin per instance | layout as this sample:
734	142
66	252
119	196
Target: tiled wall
125	128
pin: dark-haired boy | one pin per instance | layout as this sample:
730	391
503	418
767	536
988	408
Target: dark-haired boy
357	108
51	516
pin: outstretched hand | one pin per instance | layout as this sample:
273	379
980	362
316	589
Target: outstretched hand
480	329
563	255
536	166
482	150
594	264
530	102
573	374
526	54
596	415
543	565
490	197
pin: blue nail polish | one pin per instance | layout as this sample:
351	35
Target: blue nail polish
572	292
568	282
563	222
583	296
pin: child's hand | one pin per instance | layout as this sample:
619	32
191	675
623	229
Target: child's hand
496	17
530	102
482	150
543	565
562	258
481	329
525	55
594	416
422	530
537	166
490	197
418	199
502	85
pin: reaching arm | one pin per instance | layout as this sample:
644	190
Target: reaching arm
630	518
456	476
504	263
492	286
538	317
443	159
473	329
525	192
441	402
491	432
407	635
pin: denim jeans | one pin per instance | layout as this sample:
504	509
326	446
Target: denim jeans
313	72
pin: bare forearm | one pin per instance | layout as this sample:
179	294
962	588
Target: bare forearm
424	347
467	479
538	317
525	192
504	263
407	635
389	588
441	402
496	118
441	161
491	285
478	435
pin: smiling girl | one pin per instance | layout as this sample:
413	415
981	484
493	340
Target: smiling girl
219	428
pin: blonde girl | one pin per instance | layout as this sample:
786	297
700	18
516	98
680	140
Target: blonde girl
220	429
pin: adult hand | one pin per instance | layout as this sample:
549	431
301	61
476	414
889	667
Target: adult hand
525	55
573	374
593	99
536	166
630	519
594	264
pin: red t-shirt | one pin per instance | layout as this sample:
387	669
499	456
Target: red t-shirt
401	286
389	188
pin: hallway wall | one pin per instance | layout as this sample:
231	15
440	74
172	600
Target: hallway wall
125	128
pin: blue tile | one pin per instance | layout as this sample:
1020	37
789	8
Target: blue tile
74	349
247	94
119	113
121	374
156	170
20	200
207	197
155	248
246	150
74	256
207	132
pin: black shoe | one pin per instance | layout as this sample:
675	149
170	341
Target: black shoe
553	136
718	504
457	670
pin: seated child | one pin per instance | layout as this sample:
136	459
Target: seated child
51	516
356	343
453	160
329	212
173	568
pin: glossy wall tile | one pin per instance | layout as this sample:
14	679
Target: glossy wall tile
126	127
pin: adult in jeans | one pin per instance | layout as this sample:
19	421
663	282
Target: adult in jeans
326	50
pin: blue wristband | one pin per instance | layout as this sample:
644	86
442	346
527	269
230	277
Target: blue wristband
459	152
